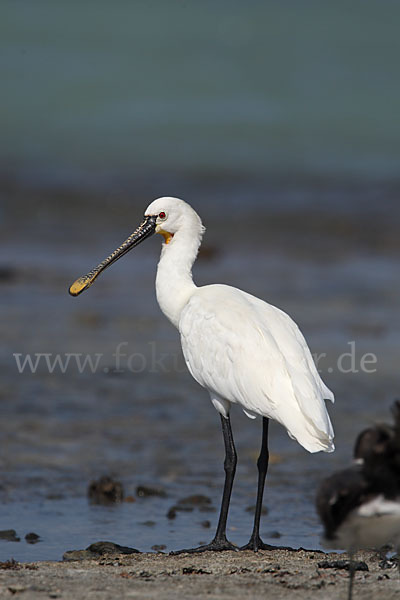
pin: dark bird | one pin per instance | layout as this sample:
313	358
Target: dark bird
360	506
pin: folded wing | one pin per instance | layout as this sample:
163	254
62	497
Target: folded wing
251	353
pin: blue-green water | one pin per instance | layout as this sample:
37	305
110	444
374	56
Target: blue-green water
113	89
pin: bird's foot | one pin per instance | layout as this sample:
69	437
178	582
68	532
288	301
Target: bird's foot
257	544
217	545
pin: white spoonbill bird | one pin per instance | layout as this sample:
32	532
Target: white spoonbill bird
241	349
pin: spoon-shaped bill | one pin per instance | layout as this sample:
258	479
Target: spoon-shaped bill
145	230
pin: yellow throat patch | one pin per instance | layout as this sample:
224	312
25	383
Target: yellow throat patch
166	235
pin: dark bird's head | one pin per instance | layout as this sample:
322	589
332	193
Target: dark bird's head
337	496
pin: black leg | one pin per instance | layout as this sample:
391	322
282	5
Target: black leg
220	542
255	542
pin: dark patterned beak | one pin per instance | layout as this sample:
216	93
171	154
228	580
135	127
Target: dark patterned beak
145	230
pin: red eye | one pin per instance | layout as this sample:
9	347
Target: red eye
162	215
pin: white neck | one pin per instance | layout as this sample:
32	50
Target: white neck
174	282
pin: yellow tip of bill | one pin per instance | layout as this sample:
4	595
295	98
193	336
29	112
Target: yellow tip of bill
79	285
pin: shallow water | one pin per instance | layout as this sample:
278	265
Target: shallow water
72	523
333	270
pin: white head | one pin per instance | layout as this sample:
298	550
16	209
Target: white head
173	216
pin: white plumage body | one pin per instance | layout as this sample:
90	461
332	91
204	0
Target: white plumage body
241	349
245	351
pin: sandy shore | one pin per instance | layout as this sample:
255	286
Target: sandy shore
278	574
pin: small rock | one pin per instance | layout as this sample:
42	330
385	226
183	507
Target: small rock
10	535
171	514
98	549
194	571
102	548
274	534
130	499
206	524
148	523
105	491
342	564
32	538
158	547
10	564
252	510
195	500
143	491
